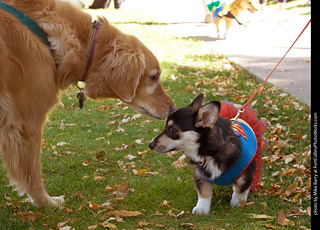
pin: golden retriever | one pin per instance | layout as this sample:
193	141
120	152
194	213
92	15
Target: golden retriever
32	75
232	15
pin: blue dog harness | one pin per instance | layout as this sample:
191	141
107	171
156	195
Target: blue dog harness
28	22
249	148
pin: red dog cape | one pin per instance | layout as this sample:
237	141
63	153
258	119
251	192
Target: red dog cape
228	110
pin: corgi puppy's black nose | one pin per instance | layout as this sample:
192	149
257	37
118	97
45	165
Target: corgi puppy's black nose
152	144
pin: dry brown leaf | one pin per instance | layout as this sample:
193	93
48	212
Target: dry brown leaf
288	158
123	187
125	213
165	204
181	214
108	189
139	172
160	226
66	228
92	227
122	213
289	171
29	216
171	214
59	225
270	226
141	224
291	189
282	220
78	195
94	205
260	216
180	163
98	178
108	225
188	225
100	154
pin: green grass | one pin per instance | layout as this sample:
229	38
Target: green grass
188	69
298	7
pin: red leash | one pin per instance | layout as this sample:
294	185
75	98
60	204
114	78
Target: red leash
241	110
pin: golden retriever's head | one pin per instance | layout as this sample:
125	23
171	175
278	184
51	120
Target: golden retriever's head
124	68
244	5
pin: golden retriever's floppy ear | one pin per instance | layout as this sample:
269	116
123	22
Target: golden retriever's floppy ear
122	71
117	65
208	114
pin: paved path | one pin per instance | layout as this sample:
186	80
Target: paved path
257	48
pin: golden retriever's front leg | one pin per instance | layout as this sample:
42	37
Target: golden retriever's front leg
36	190
204	190
20	146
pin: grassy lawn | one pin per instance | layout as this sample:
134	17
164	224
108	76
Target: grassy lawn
295	6
99	159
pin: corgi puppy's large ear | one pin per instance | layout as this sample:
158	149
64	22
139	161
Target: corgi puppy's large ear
208	114
197	101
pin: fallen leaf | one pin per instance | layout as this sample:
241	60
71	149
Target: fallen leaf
160	226
125	213
99	178
141	224
165	204
100	154
291	189
62	143
139	172
78	195
108	189
99	138
113	123
59	225
108	225
282	220
180	163
123	187
67	209
170	212
188	225
29	216
288	158
122	213
130	157
270	226
94	205
260	216
66	228
92	227
181	214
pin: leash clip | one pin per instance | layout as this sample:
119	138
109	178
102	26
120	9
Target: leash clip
240	111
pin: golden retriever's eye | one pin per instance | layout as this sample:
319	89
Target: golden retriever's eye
154	77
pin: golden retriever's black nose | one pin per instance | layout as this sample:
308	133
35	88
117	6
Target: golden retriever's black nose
173	108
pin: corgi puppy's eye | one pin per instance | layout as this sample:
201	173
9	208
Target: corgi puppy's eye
172	132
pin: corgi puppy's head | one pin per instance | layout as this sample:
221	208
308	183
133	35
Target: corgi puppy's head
183	127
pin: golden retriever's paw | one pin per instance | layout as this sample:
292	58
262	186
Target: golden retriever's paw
47	201
58	199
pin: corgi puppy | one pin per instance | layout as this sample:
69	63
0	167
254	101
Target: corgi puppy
222	152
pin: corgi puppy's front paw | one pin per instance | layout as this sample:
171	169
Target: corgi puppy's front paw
202	207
